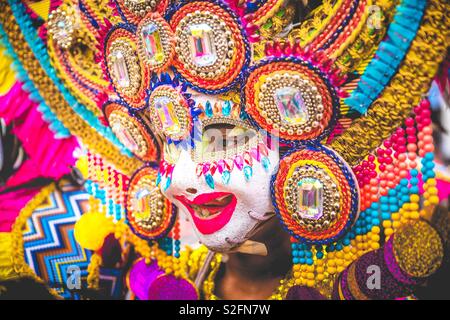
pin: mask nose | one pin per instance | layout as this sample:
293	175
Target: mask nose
184	178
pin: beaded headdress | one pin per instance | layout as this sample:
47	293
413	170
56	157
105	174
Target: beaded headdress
342	93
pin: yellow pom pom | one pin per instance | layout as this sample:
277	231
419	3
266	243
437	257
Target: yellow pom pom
91	230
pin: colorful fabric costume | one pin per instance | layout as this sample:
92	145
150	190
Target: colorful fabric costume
227	113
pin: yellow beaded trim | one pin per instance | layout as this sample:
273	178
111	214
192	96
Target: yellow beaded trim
93	269
20	267
209	285
77	126
361	46
404	91
316	22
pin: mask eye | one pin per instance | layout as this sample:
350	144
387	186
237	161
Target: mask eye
224	140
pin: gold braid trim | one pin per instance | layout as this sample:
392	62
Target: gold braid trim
271	28
316	22
405	90
20	267
53	98
356	54
80	59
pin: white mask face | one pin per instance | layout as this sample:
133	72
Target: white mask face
225	216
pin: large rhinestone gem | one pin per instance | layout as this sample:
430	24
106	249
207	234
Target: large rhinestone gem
151	37
124	136
310	198
120	69
142	201
166	113
290	104
202	45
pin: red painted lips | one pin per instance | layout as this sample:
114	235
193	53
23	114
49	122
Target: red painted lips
210	211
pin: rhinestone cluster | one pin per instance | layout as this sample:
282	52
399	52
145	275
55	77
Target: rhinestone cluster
204	44
324	210
61	26
128	133
290	99
290	103
149	213
124	68
169	112
156	42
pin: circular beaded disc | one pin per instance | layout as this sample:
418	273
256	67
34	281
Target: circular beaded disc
169	112
290	99
128	75
132	132
156	42
315	195
134	10
211	48
149	213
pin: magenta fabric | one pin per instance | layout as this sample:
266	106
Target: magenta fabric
142	276
47	157
10	205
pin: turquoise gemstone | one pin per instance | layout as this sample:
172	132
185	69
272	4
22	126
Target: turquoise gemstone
226	177
265	163
248	172
209	180
208	109
158	179
226	108
168	182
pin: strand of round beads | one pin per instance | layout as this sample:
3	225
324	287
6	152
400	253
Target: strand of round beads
176	245
425	150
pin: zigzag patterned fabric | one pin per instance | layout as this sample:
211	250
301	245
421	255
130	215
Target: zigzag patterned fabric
50	248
